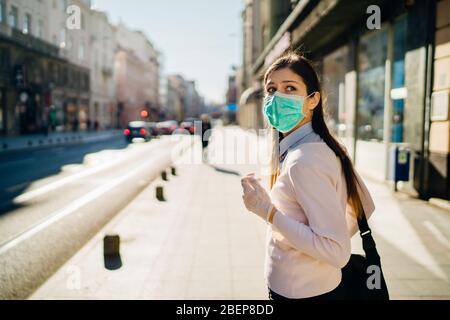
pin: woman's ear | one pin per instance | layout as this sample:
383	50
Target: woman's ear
313	101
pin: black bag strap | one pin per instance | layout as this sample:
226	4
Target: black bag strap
365	232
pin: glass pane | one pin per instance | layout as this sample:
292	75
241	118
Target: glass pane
371	80
1	111
334	70
2	10
398	79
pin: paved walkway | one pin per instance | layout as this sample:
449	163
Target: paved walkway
202	244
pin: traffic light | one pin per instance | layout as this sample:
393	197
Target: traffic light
144	114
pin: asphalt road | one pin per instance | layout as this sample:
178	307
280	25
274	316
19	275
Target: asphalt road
53	200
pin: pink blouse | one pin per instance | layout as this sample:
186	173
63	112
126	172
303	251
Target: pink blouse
309	241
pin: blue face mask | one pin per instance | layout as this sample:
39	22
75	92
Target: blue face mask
284	111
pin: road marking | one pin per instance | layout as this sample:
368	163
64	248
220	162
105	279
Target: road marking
73	206
58	184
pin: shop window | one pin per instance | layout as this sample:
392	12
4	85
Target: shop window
398	92
334	70
371	86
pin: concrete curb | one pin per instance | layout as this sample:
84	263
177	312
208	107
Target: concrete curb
8	144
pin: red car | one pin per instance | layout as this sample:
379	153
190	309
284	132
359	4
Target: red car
167	127
189	125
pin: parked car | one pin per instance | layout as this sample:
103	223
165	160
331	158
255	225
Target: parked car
137	129
167	127
189	124
153	128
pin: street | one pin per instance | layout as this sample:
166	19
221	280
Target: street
49	190
34	172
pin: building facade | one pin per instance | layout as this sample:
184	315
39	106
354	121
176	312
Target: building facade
38	84
137	75
64	67
103	106
176	98
194	103
383	82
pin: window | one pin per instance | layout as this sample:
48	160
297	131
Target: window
27	24
398	92
334	70
40	29
2	11
81	52
14	17
63	5
62	38
371	80
70	43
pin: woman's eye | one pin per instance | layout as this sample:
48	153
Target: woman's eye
290	88
270	90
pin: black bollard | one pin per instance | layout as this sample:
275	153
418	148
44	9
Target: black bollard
111	245
164	175
160	193
173	171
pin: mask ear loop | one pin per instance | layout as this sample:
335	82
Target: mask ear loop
312	93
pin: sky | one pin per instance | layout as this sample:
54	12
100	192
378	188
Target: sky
199	39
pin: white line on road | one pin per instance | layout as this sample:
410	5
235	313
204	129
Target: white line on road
57	184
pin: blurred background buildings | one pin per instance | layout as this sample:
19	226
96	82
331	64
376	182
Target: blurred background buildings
100	76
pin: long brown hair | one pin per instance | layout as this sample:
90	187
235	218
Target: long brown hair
304	68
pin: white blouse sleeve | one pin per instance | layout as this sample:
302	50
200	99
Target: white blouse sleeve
326	236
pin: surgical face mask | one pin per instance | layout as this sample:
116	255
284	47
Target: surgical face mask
284	111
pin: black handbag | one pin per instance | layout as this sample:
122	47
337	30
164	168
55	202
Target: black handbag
362	277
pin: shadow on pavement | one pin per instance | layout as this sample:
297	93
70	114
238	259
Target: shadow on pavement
112	262
226	171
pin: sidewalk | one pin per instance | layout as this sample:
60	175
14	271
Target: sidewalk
40	140
199	244
202	244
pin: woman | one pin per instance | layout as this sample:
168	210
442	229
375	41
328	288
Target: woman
206	130
310	223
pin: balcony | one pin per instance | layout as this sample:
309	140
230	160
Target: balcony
28	41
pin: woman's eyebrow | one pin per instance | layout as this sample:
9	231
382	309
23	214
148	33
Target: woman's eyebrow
285	81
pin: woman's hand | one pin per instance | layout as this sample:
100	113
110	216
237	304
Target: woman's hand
255	197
